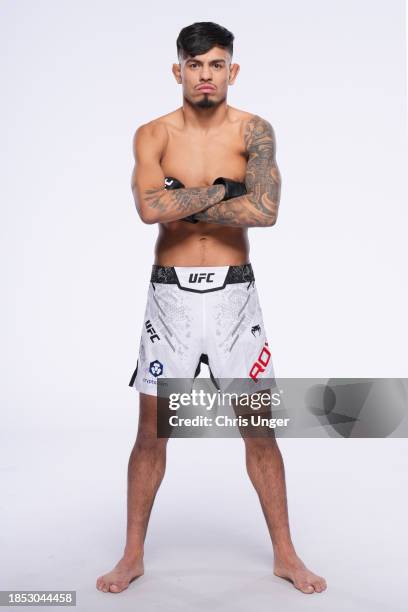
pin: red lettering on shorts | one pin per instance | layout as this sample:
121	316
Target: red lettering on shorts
258	367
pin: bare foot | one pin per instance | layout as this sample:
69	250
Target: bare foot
295	571
121	576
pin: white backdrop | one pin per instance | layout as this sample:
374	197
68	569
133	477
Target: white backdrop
78	77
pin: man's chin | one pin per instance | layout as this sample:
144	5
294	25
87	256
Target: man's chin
207	102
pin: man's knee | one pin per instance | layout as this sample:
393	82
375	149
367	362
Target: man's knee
258	445
148	441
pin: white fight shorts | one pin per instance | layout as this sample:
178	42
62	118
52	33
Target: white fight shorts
200	315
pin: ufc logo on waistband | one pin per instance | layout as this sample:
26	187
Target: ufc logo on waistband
203	276
260	364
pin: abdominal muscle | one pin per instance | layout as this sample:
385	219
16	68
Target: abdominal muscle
201	244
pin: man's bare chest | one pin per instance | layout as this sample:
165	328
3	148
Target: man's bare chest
198	161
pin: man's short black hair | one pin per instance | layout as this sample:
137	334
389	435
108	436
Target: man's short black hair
202	36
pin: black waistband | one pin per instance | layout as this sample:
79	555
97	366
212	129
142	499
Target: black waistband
235	274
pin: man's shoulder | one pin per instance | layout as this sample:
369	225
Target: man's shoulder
249	121
160	125
253	128
253	119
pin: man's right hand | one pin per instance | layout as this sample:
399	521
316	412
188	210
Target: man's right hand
172	183
233	189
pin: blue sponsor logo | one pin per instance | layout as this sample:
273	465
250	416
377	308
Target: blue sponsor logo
156	368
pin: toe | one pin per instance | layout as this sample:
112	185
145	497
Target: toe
117	587
306	587
319	584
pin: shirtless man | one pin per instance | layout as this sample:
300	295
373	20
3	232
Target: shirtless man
203	230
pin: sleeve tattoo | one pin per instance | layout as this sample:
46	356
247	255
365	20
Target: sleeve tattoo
172	205
259	206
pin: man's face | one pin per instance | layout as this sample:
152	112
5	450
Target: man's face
205	78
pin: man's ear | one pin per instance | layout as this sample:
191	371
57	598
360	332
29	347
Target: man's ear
234	69
176	70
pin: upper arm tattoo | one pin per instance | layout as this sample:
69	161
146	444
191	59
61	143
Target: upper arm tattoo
262	177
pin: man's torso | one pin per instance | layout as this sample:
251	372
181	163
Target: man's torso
197	158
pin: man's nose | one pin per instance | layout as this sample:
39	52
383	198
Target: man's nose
205	73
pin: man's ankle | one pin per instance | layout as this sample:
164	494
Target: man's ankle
284	552
133	555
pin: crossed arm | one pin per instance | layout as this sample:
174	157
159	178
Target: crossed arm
154	203
258	208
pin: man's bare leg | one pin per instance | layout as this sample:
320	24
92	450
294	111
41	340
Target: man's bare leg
267	473
147	464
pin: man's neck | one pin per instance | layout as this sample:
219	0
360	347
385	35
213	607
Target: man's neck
204	118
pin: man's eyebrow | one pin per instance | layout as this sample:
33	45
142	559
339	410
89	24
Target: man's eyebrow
191	59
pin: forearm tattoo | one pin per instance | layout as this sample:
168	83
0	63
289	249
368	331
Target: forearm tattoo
178	203
259	207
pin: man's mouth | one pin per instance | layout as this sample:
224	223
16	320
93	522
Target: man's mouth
206	88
